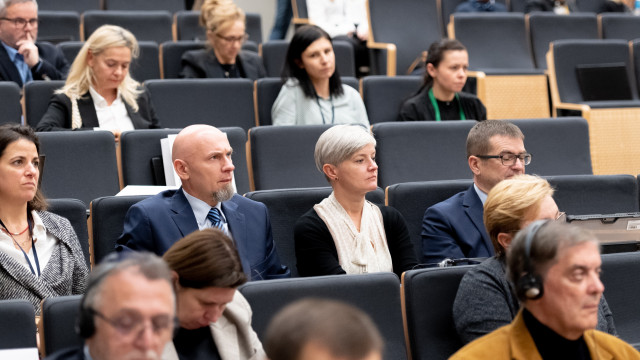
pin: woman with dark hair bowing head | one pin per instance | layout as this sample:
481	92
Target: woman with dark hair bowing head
40	255
441	97
99	92
312	93
345	233
224	22
214	318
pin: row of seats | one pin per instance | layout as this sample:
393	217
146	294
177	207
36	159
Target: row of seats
575	195
278	157
84	5
164	61
414	315
146	25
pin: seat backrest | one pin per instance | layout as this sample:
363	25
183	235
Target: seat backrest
147	65
595	194
448	7
300	9
69	5
36	99
388	24
619	26
58	321
171	56
218	102
58	26
376	294
10	102
17	325
168	5
383	96
107	222
70	49
267	90
79	164
76	212
545	27
146	25
414	198
567	54
635	55
281	157
274	54
618	277
591	6
286	206
559	146
487	34
428	311
140	147
421	150
188	26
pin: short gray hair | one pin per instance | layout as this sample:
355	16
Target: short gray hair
149	265
547	242
4	4
339	143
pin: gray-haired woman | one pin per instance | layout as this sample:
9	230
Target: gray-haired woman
344	233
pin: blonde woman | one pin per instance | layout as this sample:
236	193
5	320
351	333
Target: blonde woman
223	57
99	92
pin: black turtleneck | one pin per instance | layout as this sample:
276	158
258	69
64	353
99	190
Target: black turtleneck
553	346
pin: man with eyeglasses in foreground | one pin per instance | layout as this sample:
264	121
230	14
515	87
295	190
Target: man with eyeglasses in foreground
22	59
453	229
128	311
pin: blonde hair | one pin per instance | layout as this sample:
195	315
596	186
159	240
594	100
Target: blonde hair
510	202
81	75
220	14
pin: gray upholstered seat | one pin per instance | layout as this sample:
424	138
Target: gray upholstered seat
383	96
146	25
17	328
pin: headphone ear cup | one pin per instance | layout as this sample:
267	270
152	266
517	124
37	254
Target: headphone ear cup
84	325
530	287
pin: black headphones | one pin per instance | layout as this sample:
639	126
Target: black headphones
85	324
530	284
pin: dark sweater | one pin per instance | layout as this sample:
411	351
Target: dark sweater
316	251
418	107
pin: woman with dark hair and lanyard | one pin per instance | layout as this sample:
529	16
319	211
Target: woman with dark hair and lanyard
312	92
441	97
40	255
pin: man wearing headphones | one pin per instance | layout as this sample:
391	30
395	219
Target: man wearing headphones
127	312
556	271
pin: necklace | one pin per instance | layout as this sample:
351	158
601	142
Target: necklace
16	234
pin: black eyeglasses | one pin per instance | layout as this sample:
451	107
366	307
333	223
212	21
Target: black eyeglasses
509	159
233	39
20	22
133	323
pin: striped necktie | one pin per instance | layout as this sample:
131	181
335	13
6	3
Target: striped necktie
215	217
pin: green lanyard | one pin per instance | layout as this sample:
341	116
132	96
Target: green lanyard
437	110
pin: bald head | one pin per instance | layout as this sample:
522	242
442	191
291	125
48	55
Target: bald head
202	159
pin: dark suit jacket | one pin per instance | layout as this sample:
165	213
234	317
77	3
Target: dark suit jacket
418	107
54	65
58	115
156	223
454	229
547	5
202	63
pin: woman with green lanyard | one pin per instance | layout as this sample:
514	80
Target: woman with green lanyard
312	93
440	97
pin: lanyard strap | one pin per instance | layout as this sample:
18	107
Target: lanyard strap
33	247
437	109
333	113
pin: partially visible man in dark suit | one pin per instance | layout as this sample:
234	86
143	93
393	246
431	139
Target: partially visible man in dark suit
454	229
22	59
202	160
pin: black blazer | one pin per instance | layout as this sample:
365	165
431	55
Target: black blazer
202	63
58	115
418	107
54	65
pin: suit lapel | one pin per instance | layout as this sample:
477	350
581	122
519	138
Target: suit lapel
136	119
183	214
225	335
8	69
474	209
238	230
214	67
87	111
